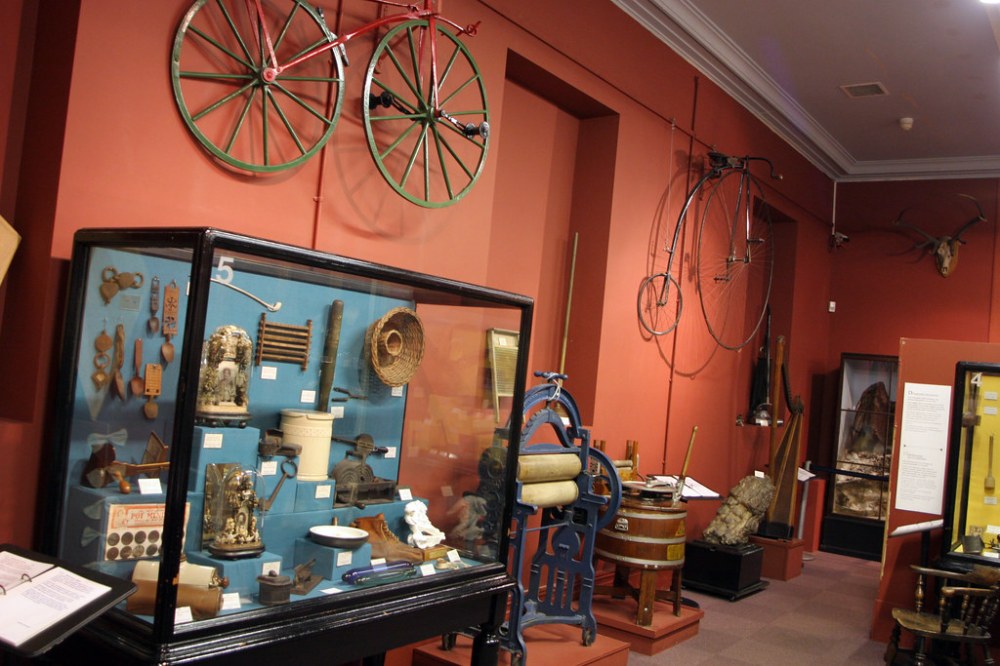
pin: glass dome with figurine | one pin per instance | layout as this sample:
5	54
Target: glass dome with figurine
224	383
237	519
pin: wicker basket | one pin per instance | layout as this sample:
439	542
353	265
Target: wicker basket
396	345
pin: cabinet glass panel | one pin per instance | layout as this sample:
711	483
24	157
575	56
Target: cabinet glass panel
274	427
972	517
864	440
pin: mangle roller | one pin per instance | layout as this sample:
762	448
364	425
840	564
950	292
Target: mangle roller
560	479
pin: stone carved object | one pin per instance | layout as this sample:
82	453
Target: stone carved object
471	510
741	512
423	534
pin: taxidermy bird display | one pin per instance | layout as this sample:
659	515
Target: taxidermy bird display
943	248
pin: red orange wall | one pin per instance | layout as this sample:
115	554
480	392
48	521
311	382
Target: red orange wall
886	290
119	155
126	159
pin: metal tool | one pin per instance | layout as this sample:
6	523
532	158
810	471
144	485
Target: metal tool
265	504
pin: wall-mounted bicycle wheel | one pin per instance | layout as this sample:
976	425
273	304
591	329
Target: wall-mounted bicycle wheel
660	303
429	143
735	259
246	121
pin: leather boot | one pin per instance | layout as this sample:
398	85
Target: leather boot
384	543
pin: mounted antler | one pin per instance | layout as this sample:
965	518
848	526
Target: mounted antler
944	248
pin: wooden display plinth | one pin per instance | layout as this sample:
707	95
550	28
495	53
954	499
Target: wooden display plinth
782	557
729	571
616	619
546	644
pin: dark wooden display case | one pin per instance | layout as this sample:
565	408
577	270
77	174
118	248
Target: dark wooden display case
429	432
971	510
858	490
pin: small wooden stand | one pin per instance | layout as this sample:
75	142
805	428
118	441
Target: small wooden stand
646	594
666	623
782	557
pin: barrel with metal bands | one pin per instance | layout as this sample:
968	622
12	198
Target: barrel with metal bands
644	535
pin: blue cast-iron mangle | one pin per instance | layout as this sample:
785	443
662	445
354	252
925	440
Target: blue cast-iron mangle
575	502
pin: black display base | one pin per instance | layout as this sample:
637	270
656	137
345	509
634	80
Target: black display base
854	537
732	572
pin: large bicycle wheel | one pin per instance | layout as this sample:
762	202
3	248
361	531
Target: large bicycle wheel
735	259
429	143
218	70
660	303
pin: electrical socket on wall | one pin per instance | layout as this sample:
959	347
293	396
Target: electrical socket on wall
832	307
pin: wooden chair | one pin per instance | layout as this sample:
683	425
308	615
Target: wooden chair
967	604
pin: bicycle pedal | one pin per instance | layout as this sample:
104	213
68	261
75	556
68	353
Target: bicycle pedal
384	98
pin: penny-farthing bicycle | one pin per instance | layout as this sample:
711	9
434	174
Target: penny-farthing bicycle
734	257
260	84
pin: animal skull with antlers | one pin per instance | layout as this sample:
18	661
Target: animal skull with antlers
944	248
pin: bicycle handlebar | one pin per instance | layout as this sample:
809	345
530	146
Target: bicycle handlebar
719	162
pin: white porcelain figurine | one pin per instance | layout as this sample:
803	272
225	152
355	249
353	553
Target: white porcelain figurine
422	533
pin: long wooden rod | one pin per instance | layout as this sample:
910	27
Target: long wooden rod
569	304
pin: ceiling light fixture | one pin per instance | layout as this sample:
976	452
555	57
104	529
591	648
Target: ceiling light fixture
990	2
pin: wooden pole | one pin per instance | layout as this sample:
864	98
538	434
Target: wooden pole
569	305
776	369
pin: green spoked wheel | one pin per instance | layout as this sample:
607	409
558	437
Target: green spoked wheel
221	72
429	141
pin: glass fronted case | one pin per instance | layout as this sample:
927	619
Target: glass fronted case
971	516
258	434
865	412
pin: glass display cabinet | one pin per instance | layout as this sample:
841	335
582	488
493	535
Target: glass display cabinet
858	496
971	514
282	449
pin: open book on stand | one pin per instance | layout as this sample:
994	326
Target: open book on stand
43	600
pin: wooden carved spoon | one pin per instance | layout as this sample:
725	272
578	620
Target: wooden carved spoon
118	360
171	304
102	362
154	378
153	323
990	484
167	351
137	386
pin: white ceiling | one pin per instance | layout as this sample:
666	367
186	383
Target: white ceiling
786	60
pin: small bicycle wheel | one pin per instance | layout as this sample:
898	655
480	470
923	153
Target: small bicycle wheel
735	259
245	120
660	303
429	142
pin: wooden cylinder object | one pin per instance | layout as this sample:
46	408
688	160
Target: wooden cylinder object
205	602
199	575
328	363
549	493
645	534
312	431
539	467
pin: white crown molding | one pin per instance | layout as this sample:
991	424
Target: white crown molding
936	169
686	30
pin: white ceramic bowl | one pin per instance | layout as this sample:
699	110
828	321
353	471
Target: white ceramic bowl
338	536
